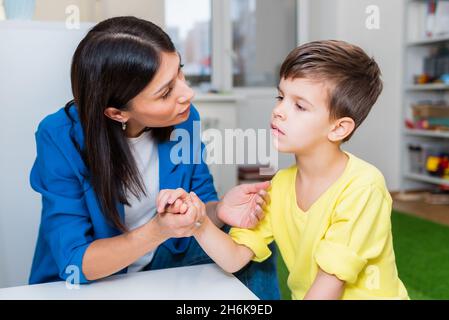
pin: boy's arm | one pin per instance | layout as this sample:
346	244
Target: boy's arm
325	287
220	247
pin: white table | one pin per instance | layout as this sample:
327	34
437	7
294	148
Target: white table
206	282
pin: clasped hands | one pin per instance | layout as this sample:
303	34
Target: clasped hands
180	214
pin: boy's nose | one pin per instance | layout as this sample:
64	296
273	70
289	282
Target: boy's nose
278	113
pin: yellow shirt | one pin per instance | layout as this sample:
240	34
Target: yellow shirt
346	232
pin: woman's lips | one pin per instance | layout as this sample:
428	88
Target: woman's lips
276	131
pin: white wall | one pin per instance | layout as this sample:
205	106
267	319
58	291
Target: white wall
255	113
35	62
322	19
54	10
377	140
97	10
152	10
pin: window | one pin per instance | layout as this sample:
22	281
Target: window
189	25
232	43
263	33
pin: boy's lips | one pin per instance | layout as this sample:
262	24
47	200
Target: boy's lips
276	131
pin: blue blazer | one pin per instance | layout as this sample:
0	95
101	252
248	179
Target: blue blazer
71	216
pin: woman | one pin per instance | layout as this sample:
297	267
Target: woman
103	160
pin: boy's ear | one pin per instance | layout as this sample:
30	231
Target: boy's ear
341	128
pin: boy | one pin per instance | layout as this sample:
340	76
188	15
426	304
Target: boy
330	213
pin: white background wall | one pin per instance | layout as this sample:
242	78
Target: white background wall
34	81
255	113
97	10
378	139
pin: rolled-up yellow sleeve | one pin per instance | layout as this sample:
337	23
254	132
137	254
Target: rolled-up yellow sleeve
339	260
359	229
256	239
253	241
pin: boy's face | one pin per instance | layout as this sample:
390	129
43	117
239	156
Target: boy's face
300	121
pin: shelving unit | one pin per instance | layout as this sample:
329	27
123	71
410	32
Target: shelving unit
416	46
427	87
433	40
427	133
426	179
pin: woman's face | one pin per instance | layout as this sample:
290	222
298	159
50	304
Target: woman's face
164	102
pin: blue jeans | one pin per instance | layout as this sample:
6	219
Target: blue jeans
260	278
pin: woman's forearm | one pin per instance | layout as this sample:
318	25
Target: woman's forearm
105	257
220	247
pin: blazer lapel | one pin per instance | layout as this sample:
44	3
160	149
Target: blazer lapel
166	167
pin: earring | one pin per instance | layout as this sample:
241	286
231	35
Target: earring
123	126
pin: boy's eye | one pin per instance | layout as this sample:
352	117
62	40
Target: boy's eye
300	107
279	98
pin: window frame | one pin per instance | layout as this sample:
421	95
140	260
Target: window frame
221	70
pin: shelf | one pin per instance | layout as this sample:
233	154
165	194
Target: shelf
417	46
427	87
422	42
427	133
428	179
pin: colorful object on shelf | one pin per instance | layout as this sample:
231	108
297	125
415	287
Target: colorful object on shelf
429	159
252	173
19	9
409	124
416	158
433	124
438	165
421	79
436	65
445	78
430	19
429	115
432	164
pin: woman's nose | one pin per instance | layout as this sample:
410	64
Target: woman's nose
187	95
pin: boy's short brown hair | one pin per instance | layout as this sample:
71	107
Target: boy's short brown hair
354	78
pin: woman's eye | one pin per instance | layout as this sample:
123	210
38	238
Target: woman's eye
300	107
167	95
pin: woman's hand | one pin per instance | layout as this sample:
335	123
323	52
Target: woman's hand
172	200
242	206
184	215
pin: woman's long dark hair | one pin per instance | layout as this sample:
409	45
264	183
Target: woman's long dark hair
116	60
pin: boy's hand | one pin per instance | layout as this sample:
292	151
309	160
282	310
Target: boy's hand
172	201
